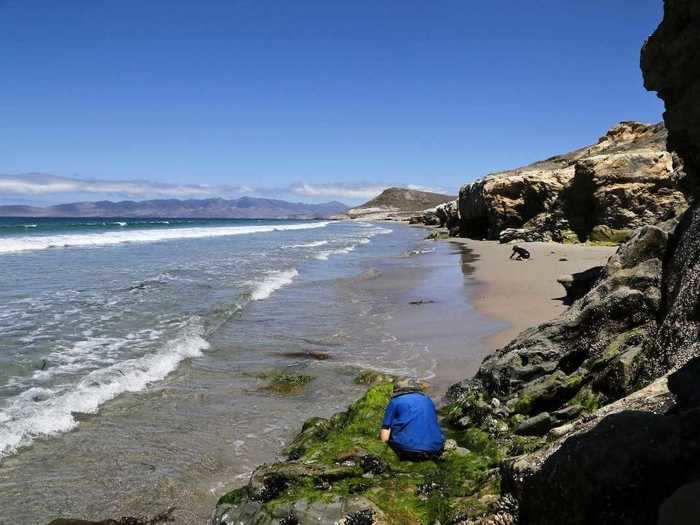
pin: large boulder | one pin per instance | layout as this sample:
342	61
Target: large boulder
617	467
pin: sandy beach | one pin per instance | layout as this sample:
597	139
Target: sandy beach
525	293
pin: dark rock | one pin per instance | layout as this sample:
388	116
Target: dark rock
681	507
678	337
670	63
618	473
361	517
579	284
422	301
567	413
373	464
538	425
685	385
310	354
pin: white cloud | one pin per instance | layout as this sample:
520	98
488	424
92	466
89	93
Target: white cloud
426	188
350	191
42	184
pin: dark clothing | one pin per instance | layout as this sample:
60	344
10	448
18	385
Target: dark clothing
412	419
407	455
519	253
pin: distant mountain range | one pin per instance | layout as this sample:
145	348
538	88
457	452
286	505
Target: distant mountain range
242	208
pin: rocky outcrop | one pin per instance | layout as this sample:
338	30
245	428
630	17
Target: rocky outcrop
396	204
670	63
626	180
579	284
444	216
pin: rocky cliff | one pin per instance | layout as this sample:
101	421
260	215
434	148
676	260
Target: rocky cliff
600	192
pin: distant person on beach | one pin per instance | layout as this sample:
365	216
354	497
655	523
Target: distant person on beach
410	425
519	253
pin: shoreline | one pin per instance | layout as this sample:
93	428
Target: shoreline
524	294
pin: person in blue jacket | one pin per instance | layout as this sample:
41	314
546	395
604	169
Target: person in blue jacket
410	425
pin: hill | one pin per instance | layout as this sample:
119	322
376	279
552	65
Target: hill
397	203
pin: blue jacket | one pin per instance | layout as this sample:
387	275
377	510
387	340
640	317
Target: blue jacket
413	422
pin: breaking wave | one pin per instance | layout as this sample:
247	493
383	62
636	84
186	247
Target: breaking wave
26	243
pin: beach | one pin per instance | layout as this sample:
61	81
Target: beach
523	294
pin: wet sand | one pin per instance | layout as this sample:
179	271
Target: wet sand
522	294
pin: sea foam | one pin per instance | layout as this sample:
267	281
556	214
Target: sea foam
26	243
43	411
274	281
313	244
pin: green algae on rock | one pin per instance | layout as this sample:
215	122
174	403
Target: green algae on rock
285	383
338	466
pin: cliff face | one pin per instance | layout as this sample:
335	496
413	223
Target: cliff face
671	66
626	180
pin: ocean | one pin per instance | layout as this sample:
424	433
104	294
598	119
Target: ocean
133	351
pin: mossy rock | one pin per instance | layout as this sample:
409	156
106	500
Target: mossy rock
340	458
372	377
548	393
606	236
569	237
285	383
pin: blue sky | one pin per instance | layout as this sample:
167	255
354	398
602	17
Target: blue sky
305	99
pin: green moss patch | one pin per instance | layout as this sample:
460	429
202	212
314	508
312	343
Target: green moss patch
343	457
606	236
284	383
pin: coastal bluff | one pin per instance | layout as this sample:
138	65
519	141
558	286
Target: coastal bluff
597	193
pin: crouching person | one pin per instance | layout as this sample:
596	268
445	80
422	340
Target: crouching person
410	425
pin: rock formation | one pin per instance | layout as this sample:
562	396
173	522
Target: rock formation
445	216
635	460
600	192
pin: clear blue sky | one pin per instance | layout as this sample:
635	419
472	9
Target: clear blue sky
328	93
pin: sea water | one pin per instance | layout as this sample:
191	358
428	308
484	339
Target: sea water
132	351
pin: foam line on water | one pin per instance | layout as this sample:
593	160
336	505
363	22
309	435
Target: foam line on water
273	282
313	244
44	412
26	243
